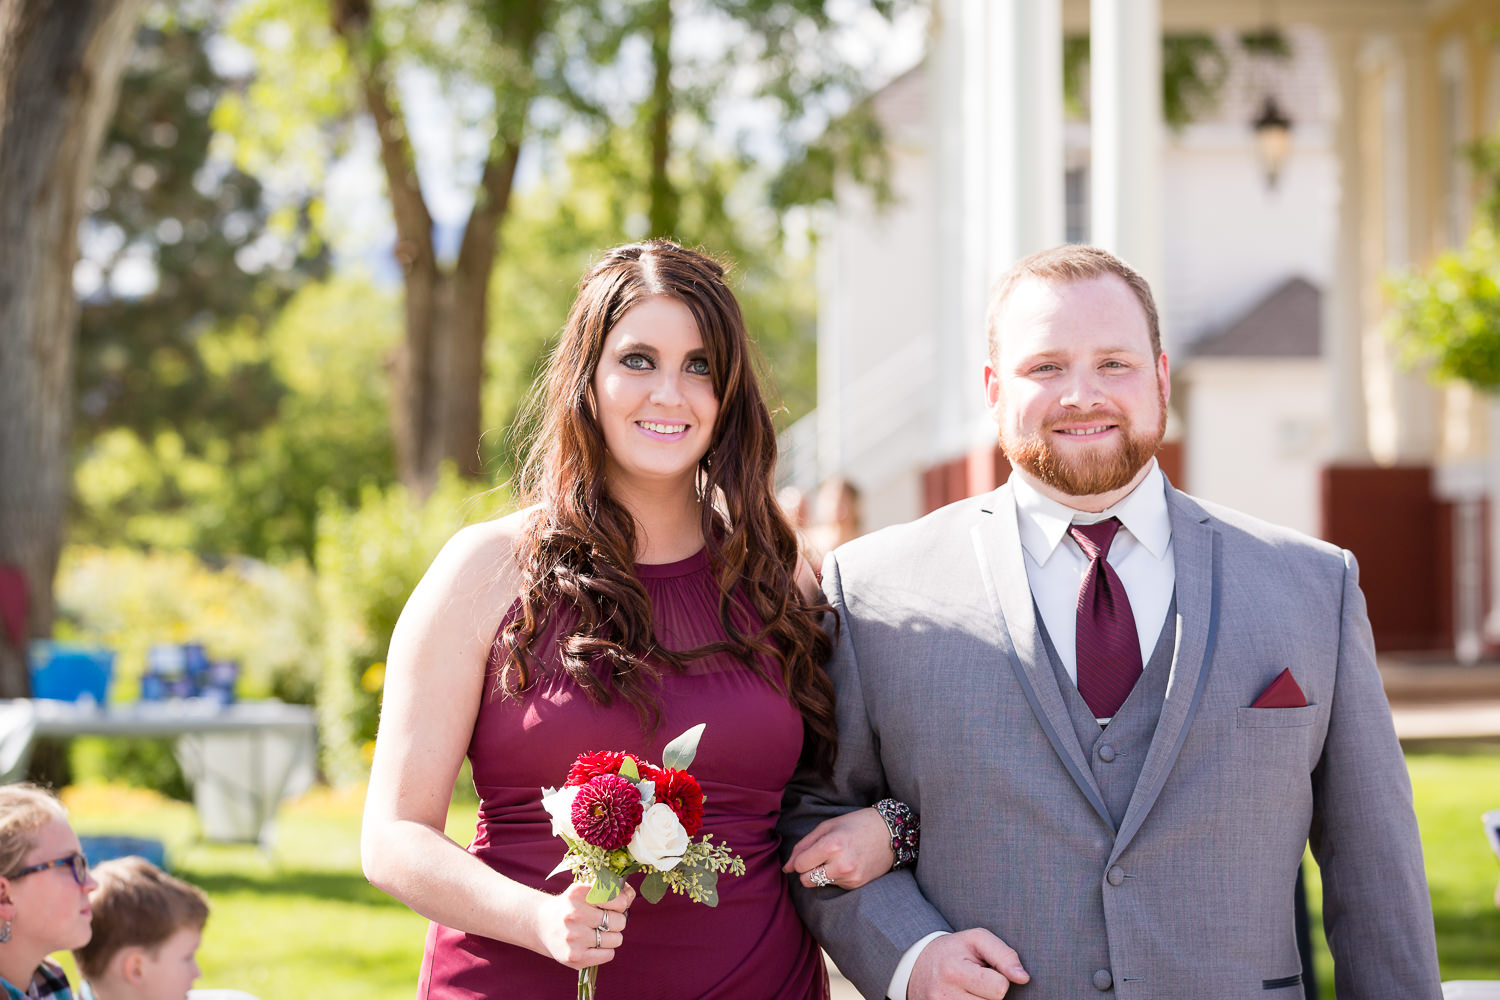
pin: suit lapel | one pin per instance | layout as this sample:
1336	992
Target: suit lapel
1002	564
1195	546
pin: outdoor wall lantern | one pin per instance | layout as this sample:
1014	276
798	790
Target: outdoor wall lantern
1273	139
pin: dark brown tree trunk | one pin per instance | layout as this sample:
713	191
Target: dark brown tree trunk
439	368
60	68
664	202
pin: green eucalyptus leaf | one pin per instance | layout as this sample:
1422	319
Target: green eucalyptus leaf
607	885
708	893
654	887
680	752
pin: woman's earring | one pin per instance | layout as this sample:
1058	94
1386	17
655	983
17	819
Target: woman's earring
5	932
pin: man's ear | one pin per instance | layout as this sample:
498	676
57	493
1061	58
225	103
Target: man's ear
991	385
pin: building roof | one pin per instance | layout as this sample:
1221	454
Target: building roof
1284	324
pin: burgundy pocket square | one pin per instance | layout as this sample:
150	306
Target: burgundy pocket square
1283	692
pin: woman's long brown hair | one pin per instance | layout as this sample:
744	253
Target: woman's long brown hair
578	550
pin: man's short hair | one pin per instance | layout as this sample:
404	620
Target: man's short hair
137	905
1067	263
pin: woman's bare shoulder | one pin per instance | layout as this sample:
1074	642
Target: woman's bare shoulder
483	556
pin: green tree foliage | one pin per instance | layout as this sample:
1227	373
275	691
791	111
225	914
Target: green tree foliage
185	267
370	557
257	490
1447	315
177	243
1194	67
550	78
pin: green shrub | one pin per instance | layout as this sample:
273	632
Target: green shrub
369	559
265	617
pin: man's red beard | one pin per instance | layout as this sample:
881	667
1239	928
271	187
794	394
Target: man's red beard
1085	475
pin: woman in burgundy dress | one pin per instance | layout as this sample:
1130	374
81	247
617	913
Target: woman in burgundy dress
652	585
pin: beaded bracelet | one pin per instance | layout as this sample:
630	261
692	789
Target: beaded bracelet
906	830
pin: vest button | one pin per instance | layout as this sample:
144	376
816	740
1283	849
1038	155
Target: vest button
1103	980
1106	753
1115	875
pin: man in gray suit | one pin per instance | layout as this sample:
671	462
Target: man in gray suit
1122	713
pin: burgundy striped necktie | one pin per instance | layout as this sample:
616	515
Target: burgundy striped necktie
1109	648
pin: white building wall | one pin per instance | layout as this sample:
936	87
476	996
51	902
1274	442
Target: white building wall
876	338
1258	436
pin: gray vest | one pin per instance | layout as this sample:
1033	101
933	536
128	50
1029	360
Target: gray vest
1117	752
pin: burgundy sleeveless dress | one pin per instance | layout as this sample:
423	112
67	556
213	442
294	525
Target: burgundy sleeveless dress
752	946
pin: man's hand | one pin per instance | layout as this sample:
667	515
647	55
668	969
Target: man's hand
971	963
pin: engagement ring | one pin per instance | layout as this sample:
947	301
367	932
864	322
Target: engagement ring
819	877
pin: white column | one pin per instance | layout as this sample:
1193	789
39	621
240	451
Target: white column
1492	619
1024	128
1343	325
1411	132
1000	173
1127	134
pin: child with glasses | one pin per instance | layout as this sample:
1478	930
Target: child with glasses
44	893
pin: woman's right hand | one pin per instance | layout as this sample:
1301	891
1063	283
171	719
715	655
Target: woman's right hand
566	925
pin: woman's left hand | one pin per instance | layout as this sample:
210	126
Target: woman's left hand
851	849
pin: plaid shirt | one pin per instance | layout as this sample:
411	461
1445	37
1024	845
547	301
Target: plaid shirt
49	981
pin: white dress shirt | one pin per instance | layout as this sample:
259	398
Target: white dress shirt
1141	554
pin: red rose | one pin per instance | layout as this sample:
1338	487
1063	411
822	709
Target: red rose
591	764
606	811
679	790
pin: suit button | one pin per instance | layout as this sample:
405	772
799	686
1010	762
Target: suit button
1103	980
1106	753
1114	876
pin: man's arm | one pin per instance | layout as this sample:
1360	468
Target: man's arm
866	930
1376	910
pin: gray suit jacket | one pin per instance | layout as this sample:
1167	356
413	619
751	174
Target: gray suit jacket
946	700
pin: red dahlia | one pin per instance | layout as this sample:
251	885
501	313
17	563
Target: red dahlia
590	764
606	811
679	790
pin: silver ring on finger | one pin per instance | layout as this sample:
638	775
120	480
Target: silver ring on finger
604	923
819	877
598	938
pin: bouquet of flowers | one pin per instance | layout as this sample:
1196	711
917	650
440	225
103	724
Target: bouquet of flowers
620	815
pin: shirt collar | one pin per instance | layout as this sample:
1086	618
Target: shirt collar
1143	512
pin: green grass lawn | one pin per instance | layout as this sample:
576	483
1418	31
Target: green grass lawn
1451	789
302	922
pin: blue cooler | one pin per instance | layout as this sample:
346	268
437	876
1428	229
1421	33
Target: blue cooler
99	848
66	671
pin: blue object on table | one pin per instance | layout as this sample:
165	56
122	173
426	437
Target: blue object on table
106	847
66	671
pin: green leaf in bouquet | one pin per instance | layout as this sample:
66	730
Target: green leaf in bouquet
706	889
629	770
654	887
607	885
566	864
680	752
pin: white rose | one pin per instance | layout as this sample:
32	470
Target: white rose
559	805
659	840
